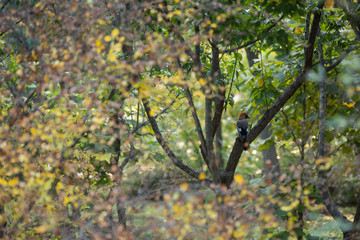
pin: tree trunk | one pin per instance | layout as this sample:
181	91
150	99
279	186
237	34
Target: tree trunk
209	128
271	162
219	145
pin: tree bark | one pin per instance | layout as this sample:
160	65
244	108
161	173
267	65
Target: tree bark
219	146
209	126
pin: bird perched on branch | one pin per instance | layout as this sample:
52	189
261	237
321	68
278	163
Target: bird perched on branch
242	127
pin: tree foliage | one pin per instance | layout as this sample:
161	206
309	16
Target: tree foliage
118	118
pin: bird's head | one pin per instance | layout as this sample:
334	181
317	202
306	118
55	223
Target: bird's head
243	115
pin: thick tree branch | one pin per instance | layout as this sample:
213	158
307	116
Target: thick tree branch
220	97
309	50
209	124
277	105
254	41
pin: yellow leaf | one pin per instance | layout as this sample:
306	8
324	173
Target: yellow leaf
184	187
291	206
46	78
66	200
202	176
107	38
115	32
350	105
41	229
177	12
202	81
3	182
112	57
238	178
19	72
239	234
101	22
117	47
33	131
13	182
98	42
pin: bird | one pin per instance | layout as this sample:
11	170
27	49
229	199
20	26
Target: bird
242	127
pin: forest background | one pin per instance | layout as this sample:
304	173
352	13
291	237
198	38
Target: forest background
118	119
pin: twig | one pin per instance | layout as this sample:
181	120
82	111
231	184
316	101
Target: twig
203	147
231	83
156	116
257	39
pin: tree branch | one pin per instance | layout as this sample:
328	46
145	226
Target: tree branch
309	49
220	97
127	159
254	41
147	121
338	61
209	123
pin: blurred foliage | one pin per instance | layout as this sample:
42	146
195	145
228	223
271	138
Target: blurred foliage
76	146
